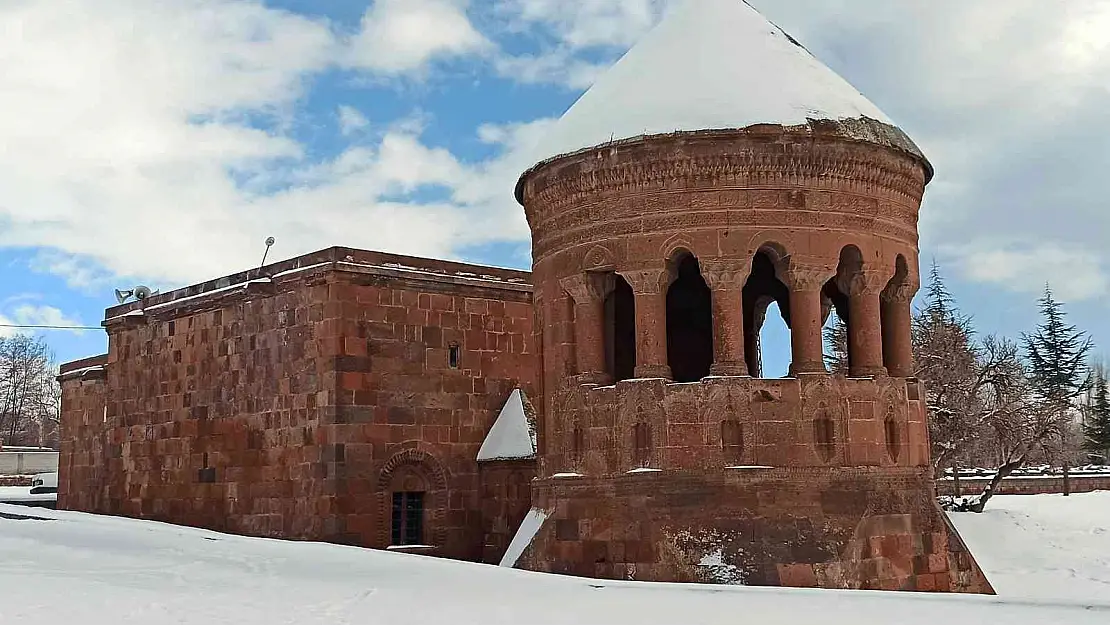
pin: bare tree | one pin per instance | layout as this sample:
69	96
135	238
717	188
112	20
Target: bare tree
29	394
948	363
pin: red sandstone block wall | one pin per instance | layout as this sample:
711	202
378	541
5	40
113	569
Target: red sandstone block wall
82	435
402	410
292	409
214	412
852	528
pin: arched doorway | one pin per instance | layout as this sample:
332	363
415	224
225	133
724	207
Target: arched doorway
689	322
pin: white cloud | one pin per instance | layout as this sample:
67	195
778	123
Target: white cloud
574	32
403	36
579	25
552	67
129	152
1075	274
351	120
31	315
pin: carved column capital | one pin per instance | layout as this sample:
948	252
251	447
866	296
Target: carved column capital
863	282
586	288
647	280
903	292
725	275
804	276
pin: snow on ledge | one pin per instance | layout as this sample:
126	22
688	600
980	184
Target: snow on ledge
513	436
529	527
644	470
564	476
749	468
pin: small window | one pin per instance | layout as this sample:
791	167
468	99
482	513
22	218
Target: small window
893	446
824	437
577	445
453	356
408	519
732	440
641	445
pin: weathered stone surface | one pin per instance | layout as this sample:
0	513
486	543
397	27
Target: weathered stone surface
815	480
295	412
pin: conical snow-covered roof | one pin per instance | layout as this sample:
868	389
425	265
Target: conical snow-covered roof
715	65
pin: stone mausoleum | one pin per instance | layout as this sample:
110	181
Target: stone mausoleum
605	415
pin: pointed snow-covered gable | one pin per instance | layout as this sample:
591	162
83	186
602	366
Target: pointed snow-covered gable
712	65
513	435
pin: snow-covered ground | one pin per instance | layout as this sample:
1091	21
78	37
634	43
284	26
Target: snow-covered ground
75	569
1044	547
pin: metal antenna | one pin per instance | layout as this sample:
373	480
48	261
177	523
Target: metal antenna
269	243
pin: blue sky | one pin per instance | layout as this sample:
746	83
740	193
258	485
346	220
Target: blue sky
165	141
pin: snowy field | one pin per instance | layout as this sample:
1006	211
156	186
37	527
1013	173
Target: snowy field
1045	547
1043	553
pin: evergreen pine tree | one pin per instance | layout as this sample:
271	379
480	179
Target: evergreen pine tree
946	361
836	345
1057	355
1096	430
940	306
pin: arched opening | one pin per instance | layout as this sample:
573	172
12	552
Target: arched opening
838	358
774	343
620	331
763	289
689	322
836	292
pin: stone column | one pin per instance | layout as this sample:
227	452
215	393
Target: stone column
805	282
589	292
650	289
865	351
726	279
896	320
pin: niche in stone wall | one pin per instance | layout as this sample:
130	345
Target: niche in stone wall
824	436
641	445
893	437
689	322
577	445
732	441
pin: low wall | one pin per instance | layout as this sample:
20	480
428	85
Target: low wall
28	462
1026	485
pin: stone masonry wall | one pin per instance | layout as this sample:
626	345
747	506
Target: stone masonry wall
83	434
401	409
1027	485
850	528
289	406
